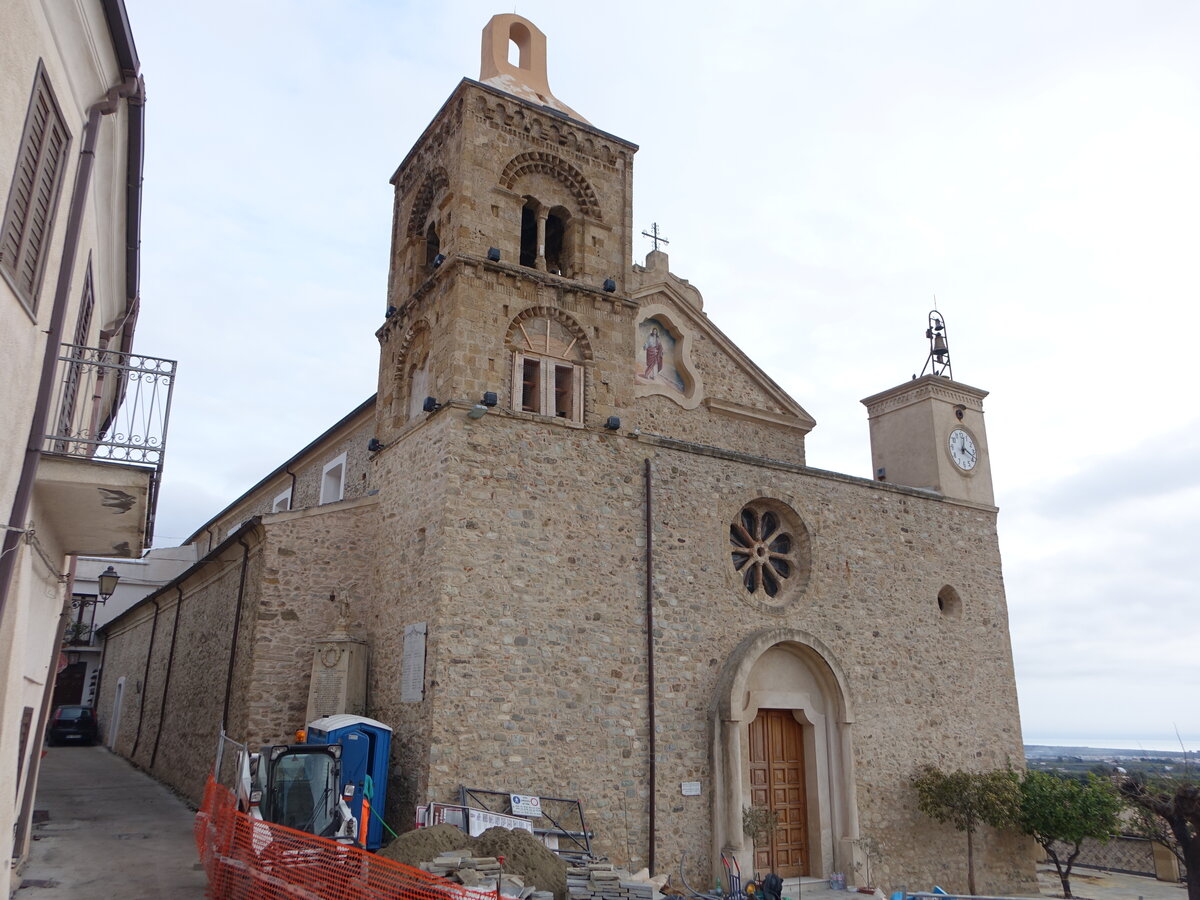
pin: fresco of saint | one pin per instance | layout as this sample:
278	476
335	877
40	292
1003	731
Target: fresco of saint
657	363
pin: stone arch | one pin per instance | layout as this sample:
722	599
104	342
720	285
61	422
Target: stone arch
515	337
558	168
786	669
411	369
436	181
550	353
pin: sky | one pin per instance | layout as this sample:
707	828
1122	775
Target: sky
826	173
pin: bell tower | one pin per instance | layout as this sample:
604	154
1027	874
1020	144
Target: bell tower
509	203
929	432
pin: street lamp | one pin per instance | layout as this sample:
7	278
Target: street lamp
108	582
106	585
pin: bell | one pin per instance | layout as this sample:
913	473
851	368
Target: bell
939	347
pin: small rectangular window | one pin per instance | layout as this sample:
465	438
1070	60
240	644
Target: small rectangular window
531	386
283	502
333	480
33	197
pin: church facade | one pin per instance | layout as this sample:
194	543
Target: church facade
576	534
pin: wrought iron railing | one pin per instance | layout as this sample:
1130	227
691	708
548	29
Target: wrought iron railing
112	407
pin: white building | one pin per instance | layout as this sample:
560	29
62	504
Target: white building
82	659
81	450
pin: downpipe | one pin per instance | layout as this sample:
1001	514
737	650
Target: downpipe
650	711
131	87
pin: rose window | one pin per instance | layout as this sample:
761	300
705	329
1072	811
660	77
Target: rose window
763	551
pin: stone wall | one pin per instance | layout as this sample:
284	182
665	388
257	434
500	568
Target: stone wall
195	635
412	552
537	677
522	544
307	556
285	609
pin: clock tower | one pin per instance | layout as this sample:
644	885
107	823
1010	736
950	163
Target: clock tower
929	433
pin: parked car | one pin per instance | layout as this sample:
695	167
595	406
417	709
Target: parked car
73	725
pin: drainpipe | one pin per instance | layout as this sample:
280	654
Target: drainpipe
650	659
132	88
237	621
145	682
292	494
162	707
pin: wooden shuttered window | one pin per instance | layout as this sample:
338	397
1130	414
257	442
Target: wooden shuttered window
33	197
547	377
548	387
70	420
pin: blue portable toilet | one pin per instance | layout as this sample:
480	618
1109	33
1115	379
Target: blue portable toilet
366	746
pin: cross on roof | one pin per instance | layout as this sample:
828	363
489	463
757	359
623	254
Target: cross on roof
655	236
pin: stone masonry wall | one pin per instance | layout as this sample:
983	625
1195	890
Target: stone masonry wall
537	676
469	309
125	652
658	415
307	555
180	750
408	562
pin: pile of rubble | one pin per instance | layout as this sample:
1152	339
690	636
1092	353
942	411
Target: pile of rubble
484	873
524	855
601	881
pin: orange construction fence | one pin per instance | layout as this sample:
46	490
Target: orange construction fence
248	859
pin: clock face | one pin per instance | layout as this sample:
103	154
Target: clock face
962	449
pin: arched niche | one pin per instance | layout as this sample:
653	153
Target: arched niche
411	376
663	363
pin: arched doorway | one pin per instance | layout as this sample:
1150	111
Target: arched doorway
782	741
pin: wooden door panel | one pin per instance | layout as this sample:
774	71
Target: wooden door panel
777	780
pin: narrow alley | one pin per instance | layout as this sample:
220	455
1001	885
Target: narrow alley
103	829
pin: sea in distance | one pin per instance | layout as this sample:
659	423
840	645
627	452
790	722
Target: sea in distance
1132	745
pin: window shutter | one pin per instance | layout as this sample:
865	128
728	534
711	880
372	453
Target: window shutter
578	386
32	200
67	416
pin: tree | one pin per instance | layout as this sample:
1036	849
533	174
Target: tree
968	799
1169	812
761	823
1056	810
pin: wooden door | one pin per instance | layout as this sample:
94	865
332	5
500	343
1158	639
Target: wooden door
777	782
68	688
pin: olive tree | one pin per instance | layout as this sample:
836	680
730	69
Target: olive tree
967	800
1059	810
1169	812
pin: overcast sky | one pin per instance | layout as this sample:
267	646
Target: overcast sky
822	170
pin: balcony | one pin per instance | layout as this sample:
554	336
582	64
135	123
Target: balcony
102	458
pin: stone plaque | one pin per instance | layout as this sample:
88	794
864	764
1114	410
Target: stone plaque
412	666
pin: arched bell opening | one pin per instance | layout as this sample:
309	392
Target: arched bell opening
558	244
433	245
